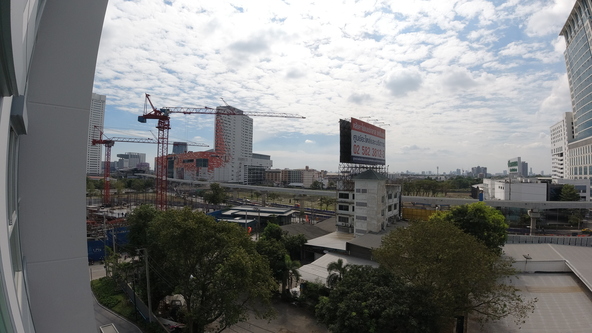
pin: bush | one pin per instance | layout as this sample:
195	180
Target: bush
106	291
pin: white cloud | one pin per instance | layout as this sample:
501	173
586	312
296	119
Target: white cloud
452	77
549	19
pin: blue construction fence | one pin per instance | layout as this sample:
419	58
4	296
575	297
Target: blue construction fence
96	247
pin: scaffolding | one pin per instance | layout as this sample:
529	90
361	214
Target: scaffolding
348	170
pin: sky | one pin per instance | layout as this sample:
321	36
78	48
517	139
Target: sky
455	84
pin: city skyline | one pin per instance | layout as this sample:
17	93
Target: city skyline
460	83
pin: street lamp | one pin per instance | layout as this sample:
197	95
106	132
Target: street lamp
258	222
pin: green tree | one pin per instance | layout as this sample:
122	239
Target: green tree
138	221
214	265
569	193
461	275
294	245
485	223
336	272
275	252
273	196
216	195
372	300
327	201
290	273
272	231
316	185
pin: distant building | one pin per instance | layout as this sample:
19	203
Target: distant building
131	160
179	147
371	206
517	168
561	134
479	172
514	189
530	189
232	160
95	123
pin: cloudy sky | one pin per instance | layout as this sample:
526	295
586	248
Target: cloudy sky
456	83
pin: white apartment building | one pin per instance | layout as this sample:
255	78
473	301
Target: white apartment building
95	122
234	142
371	206
130	160
48	55
561	134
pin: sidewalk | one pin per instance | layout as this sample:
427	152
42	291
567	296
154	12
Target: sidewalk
104	316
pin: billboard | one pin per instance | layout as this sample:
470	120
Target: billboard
361	143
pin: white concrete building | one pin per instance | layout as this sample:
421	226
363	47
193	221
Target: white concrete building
561	134
130	160
371	206
48	53
514	189
95	123
234	141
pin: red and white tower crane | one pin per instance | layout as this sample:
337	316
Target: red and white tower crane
163	126
110	142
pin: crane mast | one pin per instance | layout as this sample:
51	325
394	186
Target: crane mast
109	143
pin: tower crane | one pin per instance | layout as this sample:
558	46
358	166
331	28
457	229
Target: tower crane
163	126
110	142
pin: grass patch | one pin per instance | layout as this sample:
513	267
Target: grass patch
112	297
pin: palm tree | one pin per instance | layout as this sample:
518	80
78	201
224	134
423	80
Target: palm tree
336	271
290	272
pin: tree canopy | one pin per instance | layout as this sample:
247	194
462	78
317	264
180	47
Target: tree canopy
214	265
485	223
281	250
216	194
569	193
460	273
370	299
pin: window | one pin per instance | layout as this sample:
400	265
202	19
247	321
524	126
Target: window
343	195
390	208
343	219
361	218
343	207
390	196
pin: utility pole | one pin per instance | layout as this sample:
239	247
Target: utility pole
148	286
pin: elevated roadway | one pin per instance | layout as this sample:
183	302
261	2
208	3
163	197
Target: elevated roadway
442	201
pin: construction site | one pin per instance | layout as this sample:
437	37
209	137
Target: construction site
231	161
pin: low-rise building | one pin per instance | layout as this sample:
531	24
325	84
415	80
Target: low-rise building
371	206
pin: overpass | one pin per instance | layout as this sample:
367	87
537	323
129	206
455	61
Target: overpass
434	201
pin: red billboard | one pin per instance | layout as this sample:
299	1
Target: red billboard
365	143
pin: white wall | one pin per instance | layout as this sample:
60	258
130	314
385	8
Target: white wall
52	206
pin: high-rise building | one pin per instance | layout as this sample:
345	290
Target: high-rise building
561	134
232	159
577	160
48	63
95	122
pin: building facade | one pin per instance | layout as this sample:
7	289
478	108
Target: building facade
371	206
517	168
48	54
95	122
231	161
130	160
561	134
577	160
